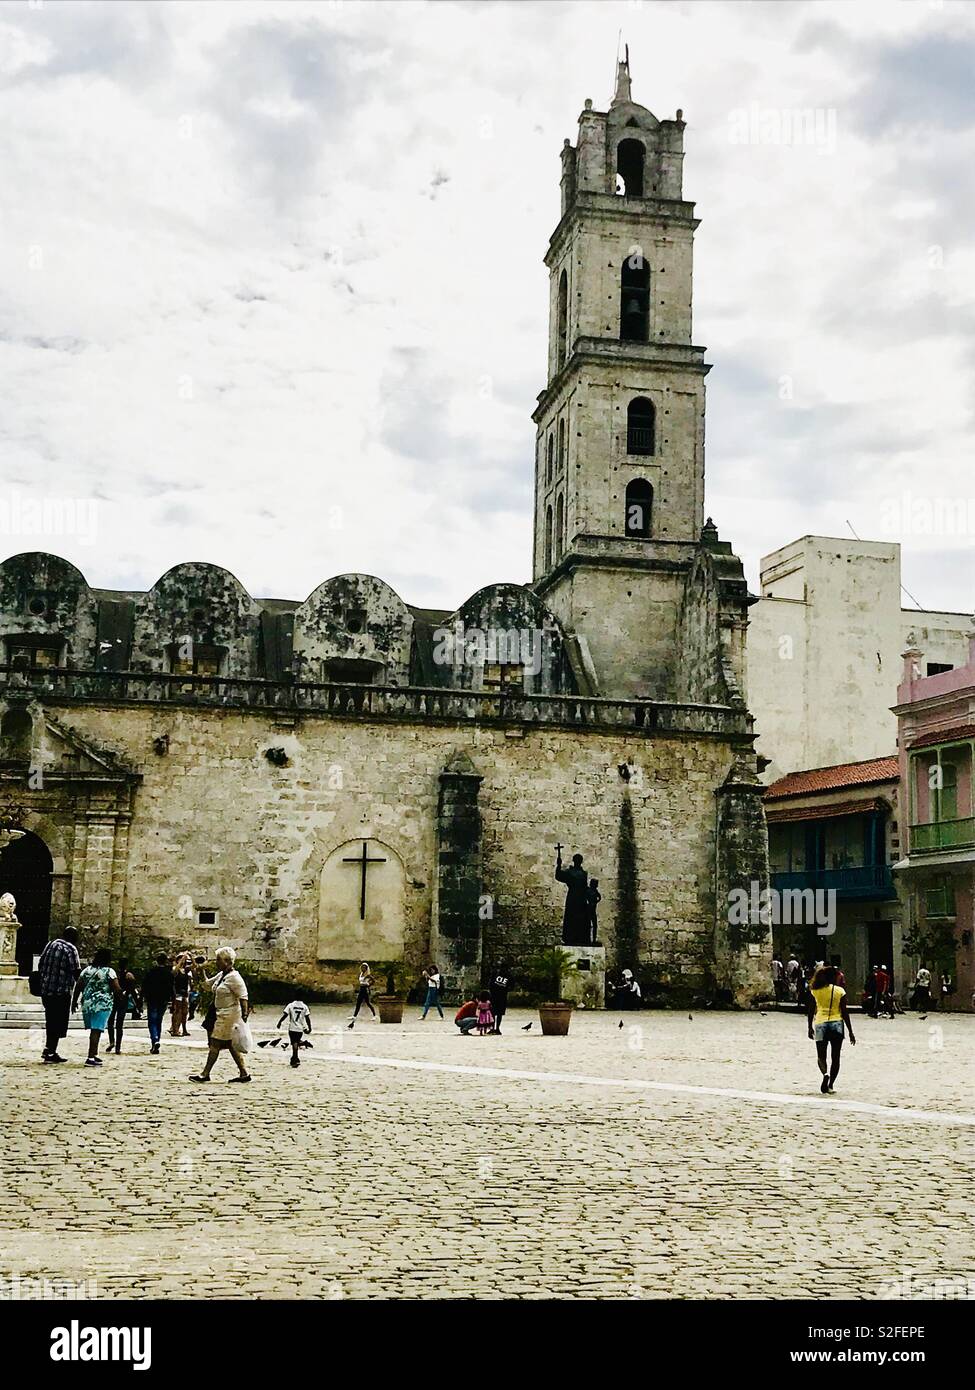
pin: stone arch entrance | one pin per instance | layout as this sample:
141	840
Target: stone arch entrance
26	867
362	903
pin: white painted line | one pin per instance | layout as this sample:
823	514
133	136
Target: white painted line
859	1107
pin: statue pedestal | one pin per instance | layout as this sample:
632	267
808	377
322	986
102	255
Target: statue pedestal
9	926
584	982
14	988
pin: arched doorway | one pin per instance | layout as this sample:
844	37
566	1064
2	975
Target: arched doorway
25	871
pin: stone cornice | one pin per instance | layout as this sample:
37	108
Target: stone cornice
613	352
645	214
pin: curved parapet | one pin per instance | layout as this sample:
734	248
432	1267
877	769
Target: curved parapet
48	613
353	627
503	638
198	619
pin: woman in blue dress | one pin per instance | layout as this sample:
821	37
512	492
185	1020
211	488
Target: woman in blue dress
98	989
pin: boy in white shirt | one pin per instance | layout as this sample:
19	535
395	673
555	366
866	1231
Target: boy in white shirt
299	1021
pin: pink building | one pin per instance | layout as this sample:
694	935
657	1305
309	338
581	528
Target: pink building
936	741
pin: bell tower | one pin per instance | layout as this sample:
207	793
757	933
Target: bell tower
619	469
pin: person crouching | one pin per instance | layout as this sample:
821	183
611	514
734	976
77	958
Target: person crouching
466	1016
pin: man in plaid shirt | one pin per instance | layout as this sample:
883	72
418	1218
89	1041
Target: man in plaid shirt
58	968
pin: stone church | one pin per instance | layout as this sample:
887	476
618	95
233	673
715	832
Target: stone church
351	777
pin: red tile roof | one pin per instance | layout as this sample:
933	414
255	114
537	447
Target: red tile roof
830	810
823	779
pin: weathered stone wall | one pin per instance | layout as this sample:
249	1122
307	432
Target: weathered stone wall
45	598
352	625
629	620
699	635
598	468
197	605
518	628
743	944
215	822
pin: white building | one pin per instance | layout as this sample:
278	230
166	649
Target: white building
824	651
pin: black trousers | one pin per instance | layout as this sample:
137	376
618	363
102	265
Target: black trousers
57	1011
116	1022
363	998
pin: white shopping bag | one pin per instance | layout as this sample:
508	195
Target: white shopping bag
242	1037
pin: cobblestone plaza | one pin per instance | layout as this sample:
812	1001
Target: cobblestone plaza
675	1157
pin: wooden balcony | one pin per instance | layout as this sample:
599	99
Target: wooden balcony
863	882
941	835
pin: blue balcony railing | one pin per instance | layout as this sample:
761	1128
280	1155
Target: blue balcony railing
863	881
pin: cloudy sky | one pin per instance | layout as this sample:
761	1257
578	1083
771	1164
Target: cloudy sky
271	288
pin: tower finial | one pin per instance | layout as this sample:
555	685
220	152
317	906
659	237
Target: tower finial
623	77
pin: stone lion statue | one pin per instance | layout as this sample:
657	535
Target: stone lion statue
8	907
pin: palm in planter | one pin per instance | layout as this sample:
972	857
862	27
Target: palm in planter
392	1003
555	1013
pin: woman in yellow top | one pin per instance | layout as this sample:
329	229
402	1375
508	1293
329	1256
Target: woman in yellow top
826	1013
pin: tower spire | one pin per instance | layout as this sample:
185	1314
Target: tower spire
623	77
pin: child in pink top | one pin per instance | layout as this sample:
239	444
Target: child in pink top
485	1018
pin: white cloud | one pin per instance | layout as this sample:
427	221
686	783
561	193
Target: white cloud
272	288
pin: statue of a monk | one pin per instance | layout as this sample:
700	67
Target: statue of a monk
575	919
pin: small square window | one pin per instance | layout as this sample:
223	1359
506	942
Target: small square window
207	917
939	898
194	659
508	679
34	653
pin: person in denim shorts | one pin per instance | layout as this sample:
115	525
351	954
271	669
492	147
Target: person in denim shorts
827	1017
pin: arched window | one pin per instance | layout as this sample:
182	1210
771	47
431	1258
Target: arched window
635	299
640	426
563	316
548	538
559	526
629	167
561	445
639	508
550	470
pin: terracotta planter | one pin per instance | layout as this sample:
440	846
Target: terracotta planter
390	1008
555	1018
